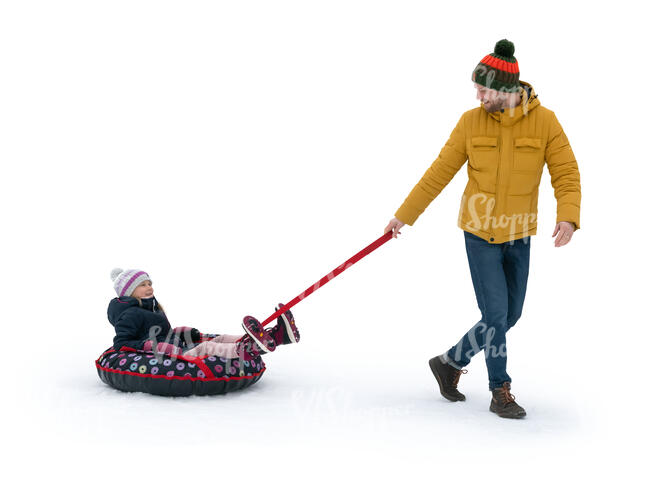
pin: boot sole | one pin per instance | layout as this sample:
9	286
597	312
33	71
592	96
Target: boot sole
288	329
442	392
260	344
263	347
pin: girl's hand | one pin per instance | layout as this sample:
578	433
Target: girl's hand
187	335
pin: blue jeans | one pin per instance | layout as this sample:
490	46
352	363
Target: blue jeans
499	274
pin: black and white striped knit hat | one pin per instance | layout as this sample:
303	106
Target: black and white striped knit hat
125	281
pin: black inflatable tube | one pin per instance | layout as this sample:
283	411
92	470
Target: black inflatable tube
133	370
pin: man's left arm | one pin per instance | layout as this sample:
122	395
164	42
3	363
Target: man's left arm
565	177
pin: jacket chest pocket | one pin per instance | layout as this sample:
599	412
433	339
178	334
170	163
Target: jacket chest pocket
484	154
528	155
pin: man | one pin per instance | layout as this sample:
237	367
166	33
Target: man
507	141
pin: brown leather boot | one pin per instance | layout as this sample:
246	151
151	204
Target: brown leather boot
447	377
503	403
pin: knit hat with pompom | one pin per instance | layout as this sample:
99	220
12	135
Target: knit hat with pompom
499	70
125	281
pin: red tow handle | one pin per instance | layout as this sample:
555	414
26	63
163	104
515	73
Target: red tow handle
330	276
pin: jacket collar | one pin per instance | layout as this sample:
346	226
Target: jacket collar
529	102
150	304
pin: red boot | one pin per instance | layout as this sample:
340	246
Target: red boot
259	334
285	331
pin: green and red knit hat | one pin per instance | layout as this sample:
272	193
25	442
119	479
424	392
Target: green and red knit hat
500	69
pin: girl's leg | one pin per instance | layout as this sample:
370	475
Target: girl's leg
227	350
226	338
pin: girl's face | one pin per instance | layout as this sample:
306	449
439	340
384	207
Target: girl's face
143	290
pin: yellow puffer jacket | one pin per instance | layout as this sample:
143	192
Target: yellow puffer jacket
506	151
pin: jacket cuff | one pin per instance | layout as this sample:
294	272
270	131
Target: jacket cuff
569	214
407	215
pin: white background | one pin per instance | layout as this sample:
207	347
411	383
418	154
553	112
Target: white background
238	152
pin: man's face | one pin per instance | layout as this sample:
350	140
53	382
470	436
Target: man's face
492	99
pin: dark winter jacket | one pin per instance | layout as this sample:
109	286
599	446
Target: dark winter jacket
135	324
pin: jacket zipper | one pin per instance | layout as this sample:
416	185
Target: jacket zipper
496	191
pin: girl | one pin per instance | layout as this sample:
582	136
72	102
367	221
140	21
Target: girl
140	323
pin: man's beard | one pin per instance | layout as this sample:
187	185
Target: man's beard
499	104
494	105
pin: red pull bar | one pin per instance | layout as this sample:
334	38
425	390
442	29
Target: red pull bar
333	274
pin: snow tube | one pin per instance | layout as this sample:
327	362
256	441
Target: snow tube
134	370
